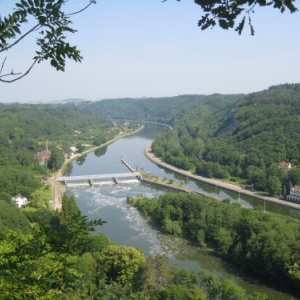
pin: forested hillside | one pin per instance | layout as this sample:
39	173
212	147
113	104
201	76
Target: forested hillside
46	254
243	138
249	142
162	110
28	124
24	130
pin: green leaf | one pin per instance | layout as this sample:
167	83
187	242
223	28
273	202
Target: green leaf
223	23
251	27
240	27
42	20
25	4
19	5
16	29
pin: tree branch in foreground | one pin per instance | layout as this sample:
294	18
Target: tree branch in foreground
53	25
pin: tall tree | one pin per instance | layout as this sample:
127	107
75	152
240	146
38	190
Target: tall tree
121	263
12	218
56	160
273	185
68	211
41	264
156	273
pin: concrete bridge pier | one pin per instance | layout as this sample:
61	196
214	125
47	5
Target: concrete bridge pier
90	178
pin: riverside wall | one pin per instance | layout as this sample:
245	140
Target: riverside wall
177	189
150	155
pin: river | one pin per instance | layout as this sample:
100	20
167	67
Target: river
126	227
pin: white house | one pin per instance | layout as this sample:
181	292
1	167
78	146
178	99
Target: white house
19	200
294	195
73	149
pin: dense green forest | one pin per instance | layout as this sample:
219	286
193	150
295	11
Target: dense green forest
58	257
166	110
248	142
48	254
263	243
24	130
29	126
240	138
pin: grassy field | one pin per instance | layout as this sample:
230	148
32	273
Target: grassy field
47	193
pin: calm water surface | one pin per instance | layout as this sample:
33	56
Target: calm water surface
126	227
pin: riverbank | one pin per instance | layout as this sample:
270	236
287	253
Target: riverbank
173	187
58	189
126	227
150	155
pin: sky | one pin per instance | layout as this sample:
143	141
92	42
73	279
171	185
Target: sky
146	48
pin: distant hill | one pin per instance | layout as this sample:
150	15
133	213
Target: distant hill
249	141
268	123
224	136
73	100
162	110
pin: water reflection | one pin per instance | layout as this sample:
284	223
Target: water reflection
81	159
100	151
68	170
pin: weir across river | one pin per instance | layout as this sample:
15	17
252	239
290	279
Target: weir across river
90	179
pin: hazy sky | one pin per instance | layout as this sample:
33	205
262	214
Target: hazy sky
146	48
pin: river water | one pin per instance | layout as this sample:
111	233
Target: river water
126	227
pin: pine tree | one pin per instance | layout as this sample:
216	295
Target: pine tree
68	213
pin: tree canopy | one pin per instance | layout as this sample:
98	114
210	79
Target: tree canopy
24	130
248	141
49	20
226	13
247	237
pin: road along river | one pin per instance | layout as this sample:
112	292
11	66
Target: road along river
126	227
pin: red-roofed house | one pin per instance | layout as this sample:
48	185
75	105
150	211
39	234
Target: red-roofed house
285	165
44	155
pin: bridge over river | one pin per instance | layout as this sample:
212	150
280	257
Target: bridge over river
91	179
